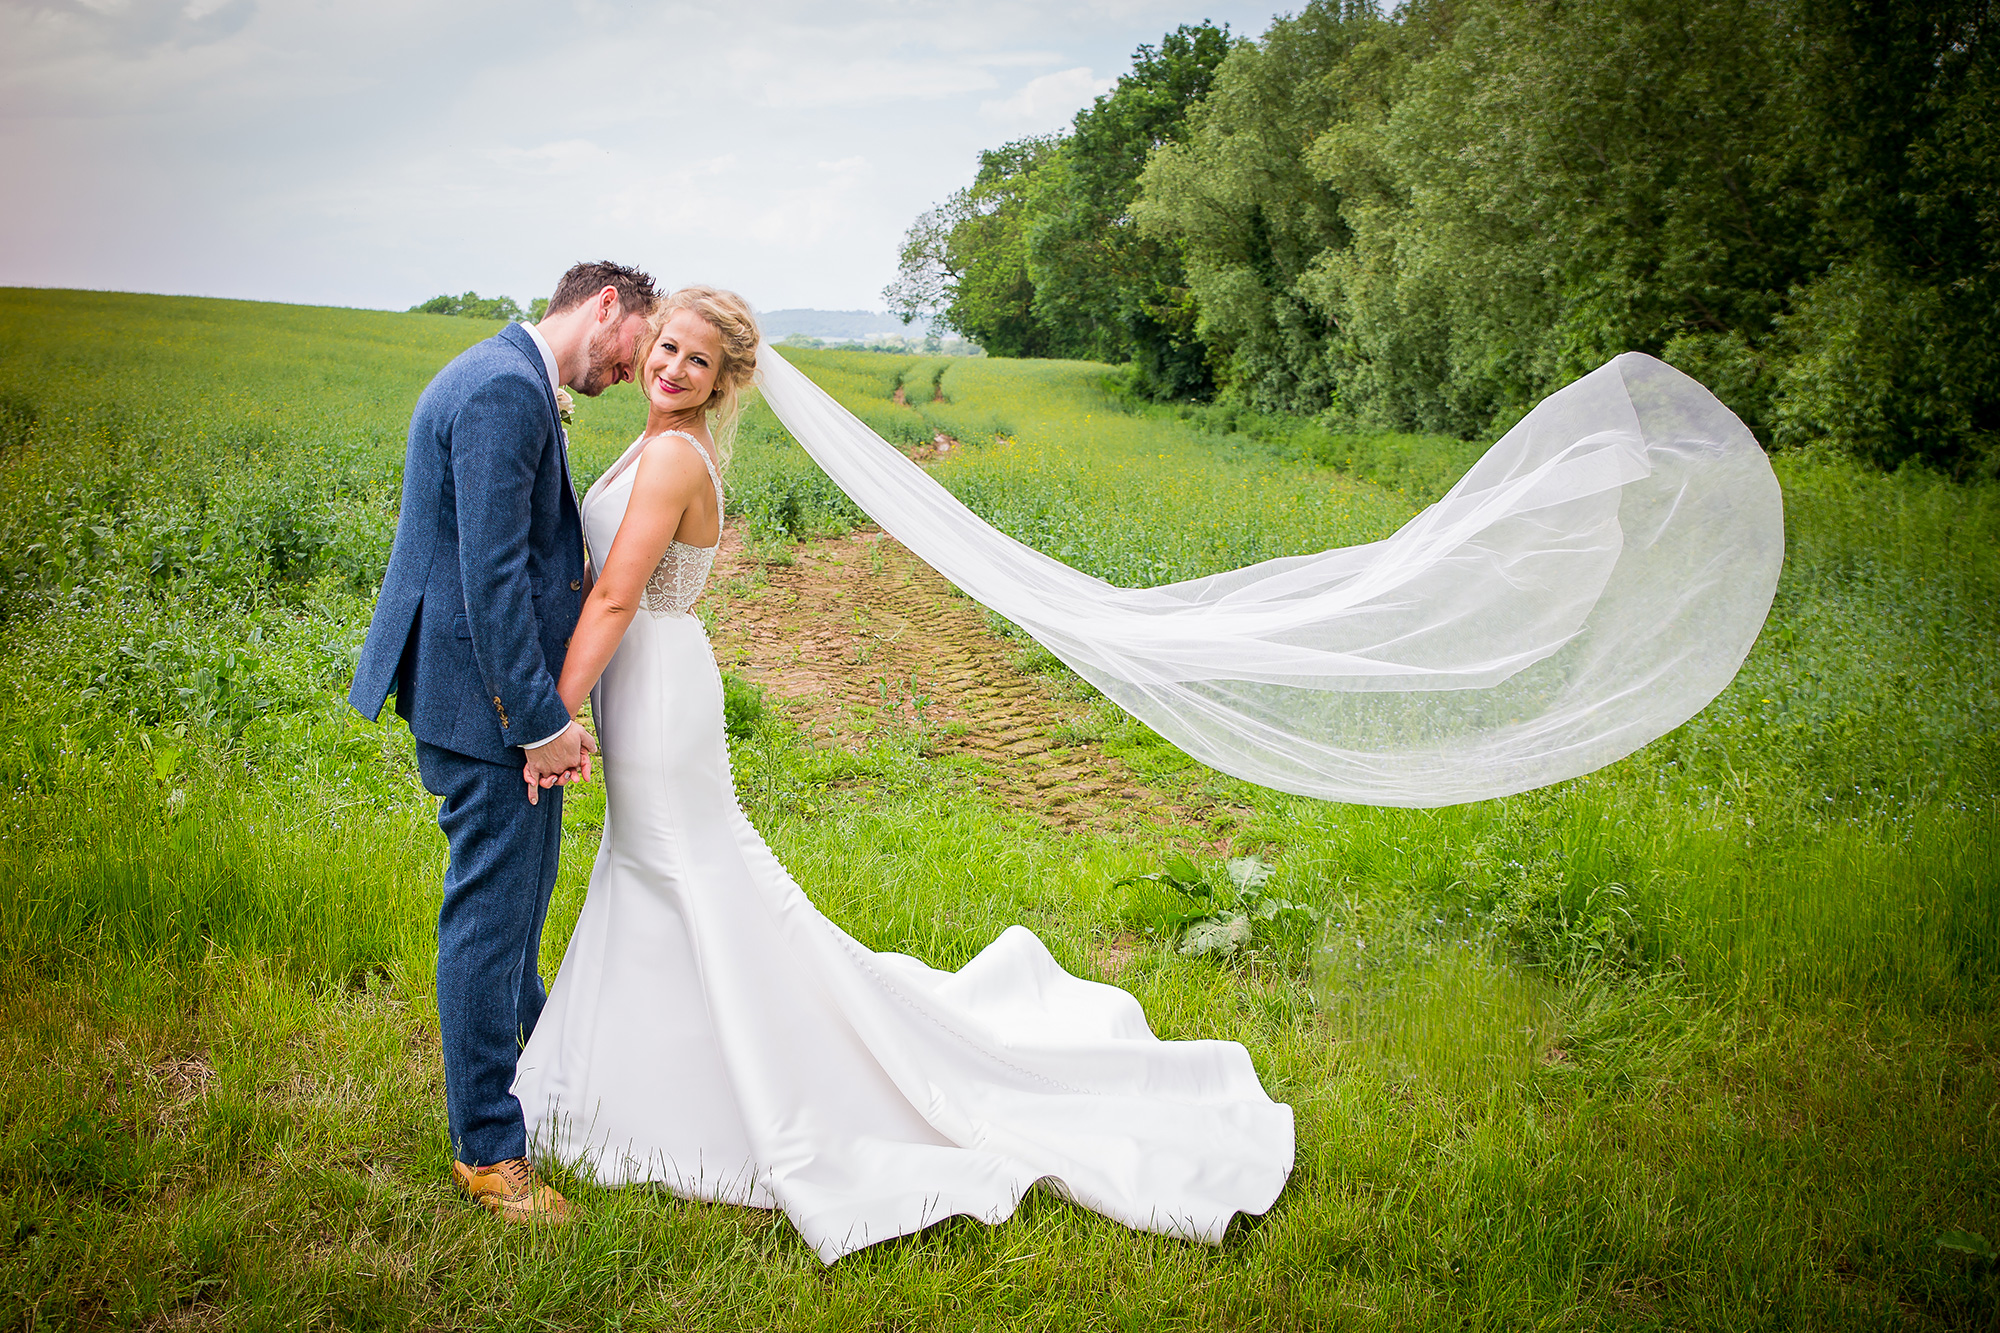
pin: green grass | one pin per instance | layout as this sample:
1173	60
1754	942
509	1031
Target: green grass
1705	1039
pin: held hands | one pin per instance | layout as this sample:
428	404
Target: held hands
564	760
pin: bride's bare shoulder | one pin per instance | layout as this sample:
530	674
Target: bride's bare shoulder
673	461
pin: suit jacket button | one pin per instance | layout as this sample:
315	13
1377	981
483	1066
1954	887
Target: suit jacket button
576	585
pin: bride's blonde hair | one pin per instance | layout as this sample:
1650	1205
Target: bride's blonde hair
729	315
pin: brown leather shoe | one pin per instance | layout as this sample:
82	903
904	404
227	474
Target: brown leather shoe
512	1190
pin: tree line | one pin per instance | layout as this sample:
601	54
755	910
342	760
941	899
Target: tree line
1427	220
472	305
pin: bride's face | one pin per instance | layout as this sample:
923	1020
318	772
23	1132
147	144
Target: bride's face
680	373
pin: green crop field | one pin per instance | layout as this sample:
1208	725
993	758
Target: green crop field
1705	1040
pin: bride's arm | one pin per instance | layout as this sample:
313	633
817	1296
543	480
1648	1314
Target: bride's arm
669	479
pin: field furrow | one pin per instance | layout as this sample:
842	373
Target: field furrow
856	635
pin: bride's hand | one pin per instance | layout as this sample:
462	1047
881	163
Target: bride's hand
563	760
539	783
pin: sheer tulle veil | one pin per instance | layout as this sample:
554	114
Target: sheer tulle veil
1592	583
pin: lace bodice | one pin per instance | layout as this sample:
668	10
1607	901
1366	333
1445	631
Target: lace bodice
683	571
678	582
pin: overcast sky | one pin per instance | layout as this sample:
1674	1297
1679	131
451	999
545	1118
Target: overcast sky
367	153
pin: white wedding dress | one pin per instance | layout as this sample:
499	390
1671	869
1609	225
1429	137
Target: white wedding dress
711	1031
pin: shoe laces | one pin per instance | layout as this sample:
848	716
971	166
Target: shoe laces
517	1174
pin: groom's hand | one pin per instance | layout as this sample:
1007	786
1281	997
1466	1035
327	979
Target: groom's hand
564	760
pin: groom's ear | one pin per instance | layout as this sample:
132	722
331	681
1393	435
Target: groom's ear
607	306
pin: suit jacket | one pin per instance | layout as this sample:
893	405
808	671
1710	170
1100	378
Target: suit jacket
485	580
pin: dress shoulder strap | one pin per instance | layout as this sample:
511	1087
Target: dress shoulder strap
706	462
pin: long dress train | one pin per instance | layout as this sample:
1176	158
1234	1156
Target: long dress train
710	1030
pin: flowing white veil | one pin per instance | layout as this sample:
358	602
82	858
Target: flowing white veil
1592	583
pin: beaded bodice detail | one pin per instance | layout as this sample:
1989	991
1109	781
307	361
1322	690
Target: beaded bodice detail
682	573
683	570
678	582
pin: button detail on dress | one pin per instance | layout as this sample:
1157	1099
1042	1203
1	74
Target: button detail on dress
576	585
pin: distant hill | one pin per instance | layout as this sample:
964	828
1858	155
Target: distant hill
832	324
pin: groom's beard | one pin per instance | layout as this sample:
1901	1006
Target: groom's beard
603	370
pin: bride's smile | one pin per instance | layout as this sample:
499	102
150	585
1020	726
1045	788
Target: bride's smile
680	372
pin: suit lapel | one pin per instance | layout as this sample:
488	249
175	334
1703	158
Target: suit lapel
562	449
518	338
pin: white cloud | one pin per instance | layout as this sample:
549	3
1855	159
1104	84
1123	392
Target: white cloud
376	152
569	157
1047	103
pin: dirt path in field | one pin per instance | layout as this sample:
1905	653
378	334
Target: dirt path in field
857	634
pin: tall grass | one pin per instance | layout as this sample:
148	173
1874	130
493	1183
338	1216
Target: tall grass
162	874
1704	1039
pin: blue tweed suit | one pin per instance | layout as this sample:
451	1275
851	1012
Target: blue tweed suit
484	587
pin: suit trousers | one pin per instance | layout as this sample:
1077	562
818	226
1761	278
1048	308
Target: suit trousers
489	985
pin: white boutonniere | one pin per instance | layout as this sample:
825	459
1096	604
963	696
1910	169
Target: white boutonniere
565	406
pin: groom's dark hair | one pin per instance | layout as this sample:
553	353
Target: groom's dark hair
635	289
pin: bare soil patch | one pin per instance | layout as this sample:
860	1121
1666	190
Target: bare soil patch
858	634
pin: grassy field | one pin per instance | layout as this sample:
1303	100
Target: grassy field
1704	1040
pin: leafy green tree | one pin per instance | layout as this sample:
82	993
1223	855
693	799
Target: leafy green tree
1236	197
928	268
1432	219
1893	351
966	261
1538	194
1119	294
1040	255
1782	196
473	306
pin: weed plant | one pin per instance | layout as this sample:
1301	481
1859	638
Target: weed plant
1705	1039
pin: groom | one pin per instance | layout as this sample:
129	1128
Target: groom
484	587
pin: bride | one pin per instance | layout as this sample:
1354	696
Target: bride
712	1032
